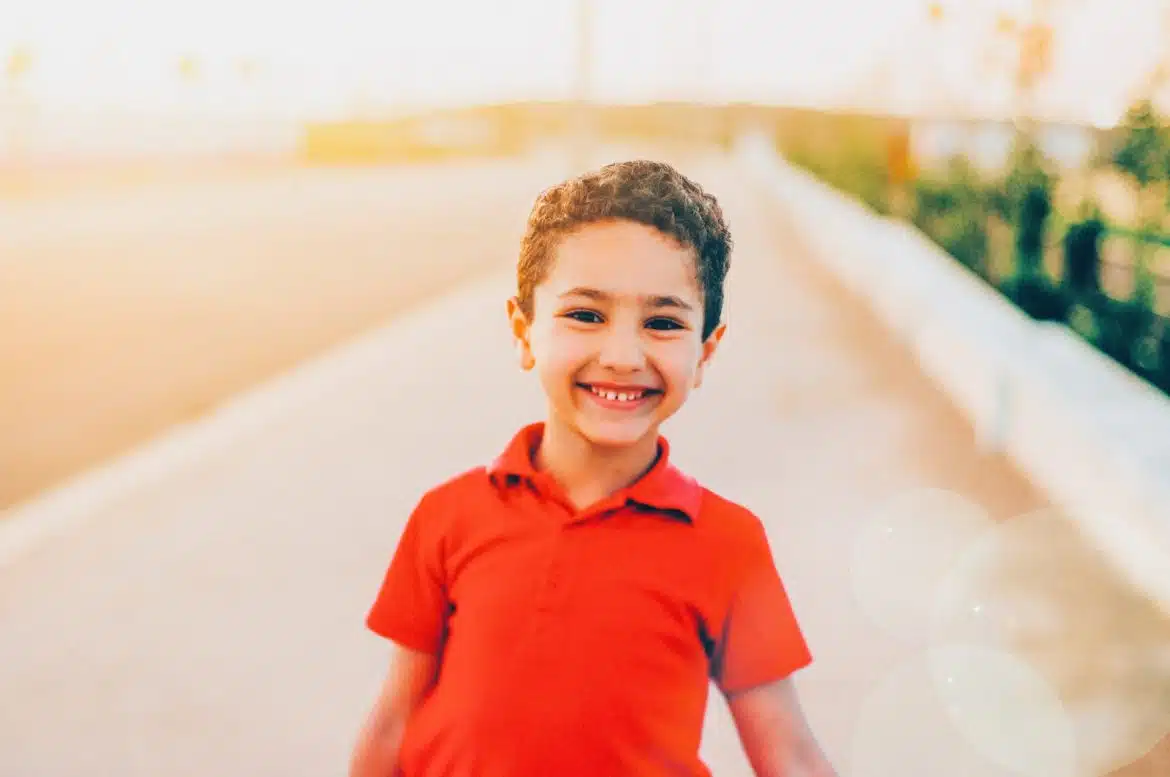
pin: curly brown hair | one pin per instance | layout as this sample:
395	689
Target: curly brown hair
648	192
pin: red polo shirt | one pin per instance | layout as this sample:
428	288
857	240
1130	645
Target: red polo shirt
579	643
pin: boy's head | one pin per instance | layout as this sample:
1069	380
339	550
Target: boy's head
620	297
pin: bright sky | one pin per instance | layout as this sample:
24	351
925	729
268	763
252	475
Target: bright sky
328	55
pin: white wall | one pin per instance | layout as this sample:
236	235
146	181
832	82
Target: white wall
1083	429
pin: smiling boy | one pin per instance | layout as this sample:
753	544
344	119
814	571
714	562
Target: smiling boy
563	610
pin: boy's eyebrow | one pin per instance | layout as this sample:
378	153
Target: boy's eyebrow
656	301
669	301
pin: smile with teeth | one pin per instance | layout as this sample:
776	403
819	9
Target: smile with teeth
620	396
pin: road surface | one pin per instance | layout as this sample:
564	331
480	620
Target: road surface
211	622
123	313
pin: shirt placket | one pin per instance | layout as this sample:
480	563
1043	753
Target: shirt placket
555	577
559	570
553	583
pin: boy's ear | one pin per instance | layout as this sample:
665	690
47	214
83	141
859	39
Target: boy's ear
521	327
710	345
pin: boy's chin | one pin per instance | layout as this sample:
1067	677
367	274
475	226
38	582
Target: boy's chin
622	434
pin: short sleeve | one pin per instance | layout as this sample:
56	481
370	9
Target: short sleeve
761	640
411	607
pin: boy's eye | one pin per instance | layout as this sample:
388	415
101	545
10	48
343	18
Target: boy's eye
584	316
664	324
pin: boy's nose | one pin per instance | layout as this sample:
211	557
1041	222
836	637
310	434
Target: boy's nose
622	352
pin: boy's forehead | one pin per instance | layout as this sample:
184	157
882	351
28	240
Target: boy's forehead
623	259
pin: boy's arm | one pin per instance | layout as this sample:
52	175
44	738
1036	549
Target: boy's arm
411	676
775	734
410	611
760	648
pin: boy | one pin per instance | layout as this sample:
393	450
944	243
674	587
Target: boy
561	611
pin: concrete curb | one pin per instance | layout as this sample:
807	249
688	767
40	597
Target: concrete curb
1094	437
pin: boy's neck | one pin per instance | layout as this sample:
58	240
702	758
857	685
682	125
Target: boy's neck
588	473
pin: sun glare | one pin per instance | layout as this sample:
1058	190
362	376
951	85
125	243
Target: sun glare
231	56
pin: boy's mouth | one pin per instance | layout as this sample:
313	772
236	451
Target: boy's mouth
620	397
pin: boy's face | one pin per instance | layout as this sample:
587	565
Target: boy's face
616	333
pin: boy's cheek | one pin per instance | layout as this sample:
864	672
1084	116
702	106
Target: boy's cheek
559	375
565	353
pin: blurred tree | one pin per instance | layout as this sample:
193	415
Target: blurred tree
1143	155
1144	151
1027	200
18	64
900	168
189	69
1128	329
1028	187
1029	37
1035	56
1032	60
952	207
1031	40
1082	255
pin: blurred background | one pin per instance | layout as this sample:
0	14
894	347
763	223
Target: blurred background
197	200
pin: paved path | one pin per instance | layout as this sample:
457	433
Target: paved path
124	313
211	624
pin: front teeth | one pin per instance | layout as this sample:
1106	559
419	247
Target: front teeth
619	396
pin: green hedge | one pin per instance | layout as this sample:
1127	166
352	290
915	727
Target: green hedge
847	151
1006	231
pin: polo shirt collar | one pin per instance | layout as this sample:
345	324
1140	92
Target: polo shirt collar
663	488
